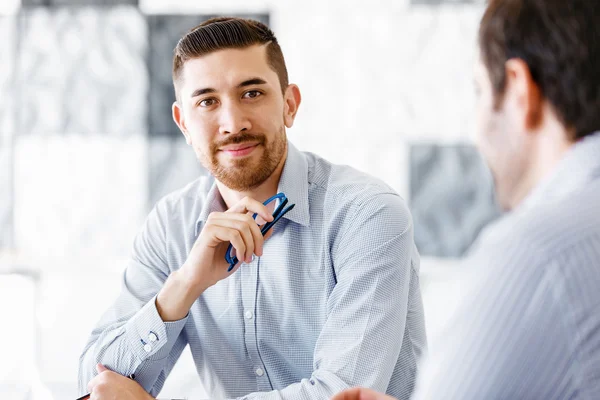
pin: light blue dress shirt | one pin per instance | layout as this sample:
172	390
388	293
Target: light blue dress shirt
528	326
333	302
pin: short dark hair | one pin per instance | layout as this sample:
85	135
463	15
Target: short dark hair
228	33
559	40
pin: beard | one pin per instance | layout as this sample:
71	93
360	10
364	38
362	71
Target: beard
246	173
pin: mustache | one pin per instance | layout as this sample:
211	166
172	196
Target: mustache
241	138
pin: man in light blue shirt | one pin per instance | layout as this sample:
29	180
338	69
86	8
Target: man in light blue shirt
328	300
528	324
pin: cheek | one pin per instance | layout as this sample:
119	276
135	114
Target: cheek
202	131
483	127
490	137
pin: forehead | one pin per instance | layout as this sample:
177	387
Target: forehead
224	69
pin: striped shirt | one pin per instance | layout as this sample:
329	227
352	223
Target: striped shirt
528	325
333	302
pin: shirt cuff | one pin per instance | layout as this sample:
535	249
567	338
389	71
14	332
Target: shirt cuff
149	336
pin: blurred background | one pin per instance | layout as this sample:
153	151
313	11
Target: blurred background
87	146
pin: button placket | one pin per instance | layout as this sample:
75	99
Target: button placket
249	276
249	285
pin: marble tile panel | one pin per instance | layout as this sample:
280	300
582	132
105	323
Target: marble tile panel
451	198
82	70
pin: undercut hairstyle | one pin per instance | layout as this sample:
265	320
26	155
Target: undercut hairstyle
228	33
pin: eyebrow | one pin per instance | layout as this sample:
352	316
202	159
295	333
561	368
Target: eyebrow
248	82
253	81
200	92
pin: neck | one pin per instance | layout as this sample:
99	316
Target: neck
261	193
552	144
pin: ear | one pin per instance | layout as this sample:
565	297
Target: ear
180	121
292	99
523	89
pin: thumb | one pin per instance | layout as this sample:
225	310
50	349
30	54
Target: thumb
101	368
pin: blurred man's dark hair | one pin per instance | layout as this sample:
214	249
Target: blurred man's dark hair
560	42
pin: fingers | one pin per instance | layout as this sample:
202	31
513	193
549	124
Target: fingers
253	238
237	226
361	394
224	234
248	204
249	233
98	378
349	394
94	382
101	368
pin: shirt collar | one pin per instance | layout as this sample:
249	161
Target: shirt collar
293	183
580	165
213	203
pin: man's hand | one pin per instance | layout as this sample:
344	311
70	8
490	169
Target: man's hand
206	265
109	385
361	394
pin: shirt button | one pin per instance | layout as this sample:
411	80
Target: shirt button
259	372
147	348
152	337
249	314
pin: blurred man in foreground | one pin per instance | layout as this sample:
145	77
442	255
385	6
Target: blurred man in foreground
528	326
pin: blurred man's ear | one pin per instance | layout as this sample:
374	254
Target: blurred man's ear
525	91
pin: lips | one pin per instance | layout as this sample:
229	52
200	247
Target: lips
241	149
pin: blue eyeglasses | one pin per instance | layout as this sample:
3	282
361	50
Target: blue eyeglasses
279	212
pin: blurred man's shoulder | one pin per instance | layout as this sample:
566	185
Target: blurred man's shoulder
538	236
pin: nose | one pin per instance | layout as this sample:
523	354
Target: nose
233	120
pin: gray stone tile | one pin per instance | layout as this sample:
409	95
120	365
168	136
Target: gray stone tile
173	165
165	32
452	198
82	70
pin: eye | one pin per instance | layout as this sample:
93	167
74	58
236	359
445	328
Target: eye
207	102
252	94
